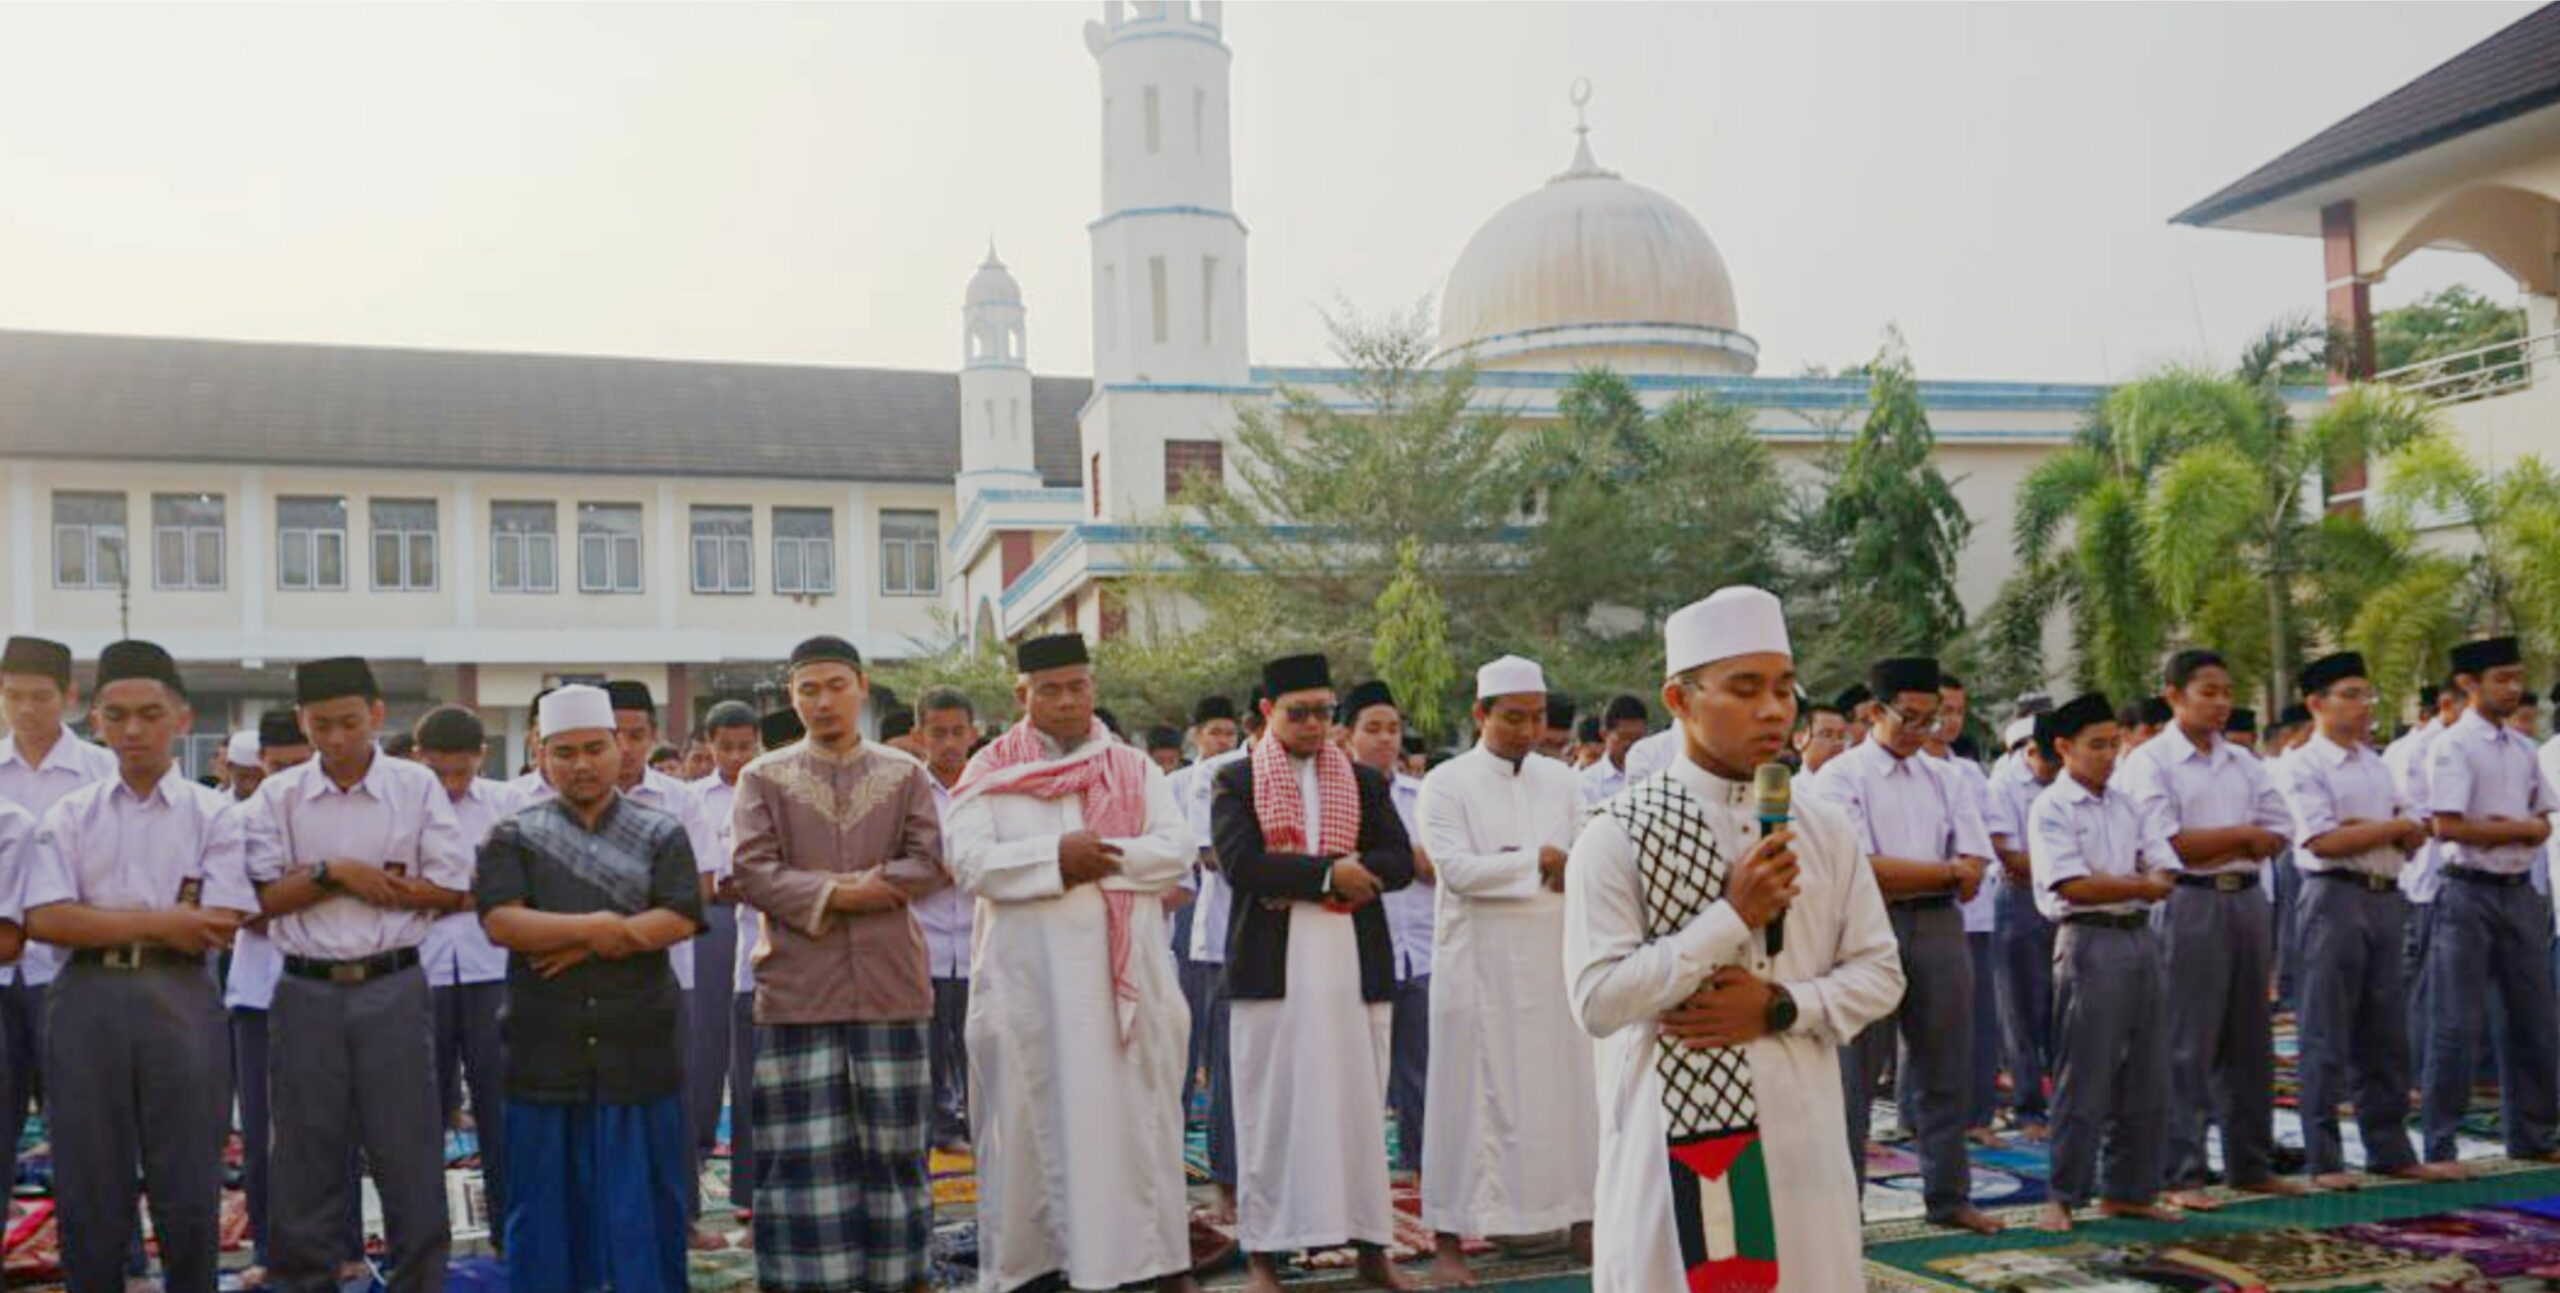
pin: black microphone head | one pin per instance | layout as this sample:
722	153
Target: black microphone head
1769	790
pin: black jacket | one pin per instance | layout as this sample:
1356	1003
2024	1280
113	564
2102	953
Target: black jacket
1258	937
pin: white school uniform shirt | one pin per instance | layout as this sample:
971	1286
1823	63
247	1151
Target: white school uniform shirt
1652	754
2327	785
1919	808
2187	789
458	950
103	846
676	799
396	813
949	914
1209	920
1409	909
1981	913
1840	964
2424	874
69	765
1602	779
2482	770
2073	833
17	855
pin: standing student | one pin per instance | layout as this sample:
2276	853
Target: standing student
249	988
41	761
2099	867
2221	813
2022	935
946	728
140	878
1374	738
466	973
355	854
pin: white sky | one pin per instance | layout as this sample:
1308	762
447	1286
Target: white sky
816	183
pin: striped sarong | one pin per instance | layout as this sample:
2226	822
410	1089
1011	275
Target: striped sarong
842	1116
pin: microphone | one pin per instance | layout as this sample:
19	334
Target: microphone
1773	800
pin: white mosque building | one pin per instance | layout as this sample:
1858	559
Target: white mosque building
482	525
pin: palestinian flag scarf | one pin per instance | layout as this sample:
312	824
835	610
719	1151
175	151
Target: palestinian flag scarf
1719	1178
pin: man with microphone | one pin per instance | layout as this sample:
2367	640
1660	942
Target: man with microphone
1511	1126
1720	1162
1921	827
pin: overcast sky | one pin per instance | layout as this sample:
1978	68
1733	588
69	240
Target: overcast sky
816	183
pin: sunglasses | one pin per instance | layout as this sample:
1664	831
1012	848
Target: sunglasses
1306	713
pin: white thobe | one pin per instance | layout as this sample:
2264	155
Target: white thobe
1078	1137
1841	967
1311	1088
1512	1133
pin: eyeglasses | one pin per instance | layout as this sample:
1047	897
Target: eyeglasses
1306	713
1909	719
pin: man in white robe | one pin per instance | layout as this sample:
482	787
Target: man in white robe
1710	985
1078	1033
1512	1135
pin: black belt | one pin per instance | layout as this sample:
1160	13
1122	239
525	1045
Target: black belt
357	971
1924	901
2363	880
137	956
2473	875
2110	919
2220	881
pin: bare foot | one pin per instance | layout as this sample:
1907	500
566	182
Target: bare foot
1970	1218
252	1277
1982	1136
2193	1201
1449	1269
2338	1181
1580	1242
2432	1172
703	1241
2138	1211
1223	1212
2036	1133
2276	1185
1377	1270
1261	1275
2055	1219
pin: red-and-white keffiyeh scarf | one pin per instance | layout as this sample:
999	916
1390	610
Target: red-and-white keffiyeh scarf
1284	818
1109	780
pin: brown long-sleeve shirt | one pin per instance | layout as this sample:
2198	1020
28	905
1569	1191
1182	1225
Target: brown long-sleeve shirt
804	820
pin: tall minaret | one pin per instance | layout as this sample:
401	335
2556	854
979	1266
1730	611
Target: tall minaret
995	383
1168	248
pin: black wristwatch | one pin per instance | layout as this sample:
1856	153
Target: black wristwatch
1782	1009
320	876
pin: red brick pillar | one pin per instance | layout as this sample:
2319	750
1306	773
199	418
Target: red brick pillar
466	686
2350	302
679	715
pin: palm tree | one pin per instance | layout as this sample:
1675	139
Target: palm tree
2505	579
2187	510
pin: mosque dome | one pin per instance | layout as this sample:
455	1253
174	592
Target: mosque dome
1591	268
993	284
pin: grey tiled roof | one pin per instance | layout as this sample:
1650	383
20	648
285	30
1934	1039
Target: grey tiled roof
2507	75
77	395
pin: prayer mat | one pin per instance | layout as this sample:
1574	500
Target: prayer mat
2090	1268
2497	1241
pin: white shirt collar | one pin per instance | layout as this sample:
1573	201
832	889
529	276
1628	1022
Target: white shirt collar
65	744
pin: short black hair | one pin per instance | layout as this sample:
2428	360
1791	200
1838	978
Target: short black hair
1625	708
450	729
1804	716
1950	682
2185	665
942	698
398	745
664	751
728	714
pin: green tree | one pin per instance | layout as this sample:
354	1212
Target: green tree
2449	321
1411	649
1879	538
2504	579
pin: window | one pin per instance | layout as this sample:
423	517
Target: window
804	550
722	560
311	543
524	547
404	544
1155	289
1093	480
608	547
1155	123
186	541
1208	297
910	544
88	540
1185	460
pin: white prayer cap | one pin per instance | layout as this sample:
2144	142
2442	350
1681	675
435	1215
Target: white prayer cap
1510	676
242	750
1740	620
2017	730
574	708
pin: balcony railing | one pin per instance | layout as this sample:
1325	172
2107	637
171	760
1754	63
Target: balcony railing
2480	373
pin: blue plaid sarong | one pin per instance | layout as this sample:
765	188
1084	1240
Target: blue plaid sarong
842	1118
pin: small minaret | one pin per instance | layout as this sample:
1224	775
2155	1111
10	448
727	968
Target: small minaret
995	383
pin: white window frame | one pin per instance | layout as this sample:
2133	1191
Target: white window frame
741	546
900	553
806	549
615	546
310	540
191	575
522	543
93	540
407	537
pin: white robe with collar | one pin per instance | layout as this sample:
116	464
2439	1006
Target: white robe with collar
1078	1140
1513	1134
1841	966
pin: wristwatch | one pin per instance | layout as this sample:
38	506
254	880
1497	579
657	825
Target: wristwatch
320	876
1782	1009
